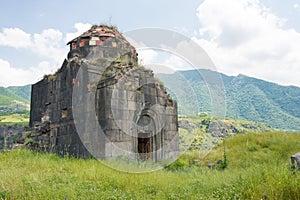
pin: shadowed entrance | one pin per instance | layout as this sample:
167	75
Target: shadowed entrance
144	140
144	148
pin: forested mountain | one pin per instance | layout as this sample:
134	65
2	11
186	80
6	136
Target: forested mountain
245	97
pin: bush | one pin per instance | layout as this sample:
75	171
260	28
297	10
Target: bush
28	134
179	164
29	142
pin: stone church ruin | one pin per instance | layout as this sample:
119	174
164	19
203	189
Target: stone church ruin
102	103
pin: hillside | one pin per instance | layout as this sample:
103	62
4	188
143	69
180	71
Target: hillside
23	92
204	132
258	168
15	93
14	99
246	98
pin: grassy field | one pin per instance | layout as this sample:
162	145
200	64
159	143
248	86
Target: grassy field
258	168
14	118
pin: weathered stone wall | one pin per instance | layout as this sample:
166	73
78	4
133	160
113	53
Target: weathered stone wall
133	110
136	106
10	135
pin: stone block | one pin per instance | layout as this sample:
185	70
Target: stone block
161	101
131	95
160	93
119	114
171	110
113	135
171	118
53	132
132	105
119	93
112	125
295	159
119	103
169	135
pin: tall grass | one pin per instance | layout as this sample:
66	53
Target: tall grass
258	168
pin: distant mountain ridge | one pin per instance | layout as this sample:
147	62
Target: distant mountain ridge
246	98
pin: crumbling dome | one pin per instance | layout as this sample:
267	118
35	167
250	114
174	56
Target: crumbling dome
102	103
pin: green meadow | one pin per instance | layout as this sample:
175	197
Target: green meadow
258	167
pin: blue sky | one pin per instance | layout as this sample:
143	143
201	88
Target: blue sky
251	37
35	16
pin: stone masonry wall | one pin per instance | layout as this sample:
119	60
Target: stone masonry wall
133	110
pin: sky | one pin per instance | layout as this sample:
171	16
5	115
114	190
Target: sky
257	38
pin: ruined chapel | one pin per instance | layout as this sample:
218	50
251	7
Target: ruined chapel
103	103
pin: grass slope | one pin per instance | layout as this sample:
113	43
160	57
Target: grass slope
11	94
258	169
204	132
22	91
14	100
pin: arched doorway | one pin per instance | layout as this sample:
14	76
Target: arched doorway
145	138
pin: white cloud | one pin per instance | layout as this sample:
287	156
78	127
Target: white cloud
164	62
176	63
158	59
147	56
49	44
14	37
296	6
245	37
80	28
11	76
